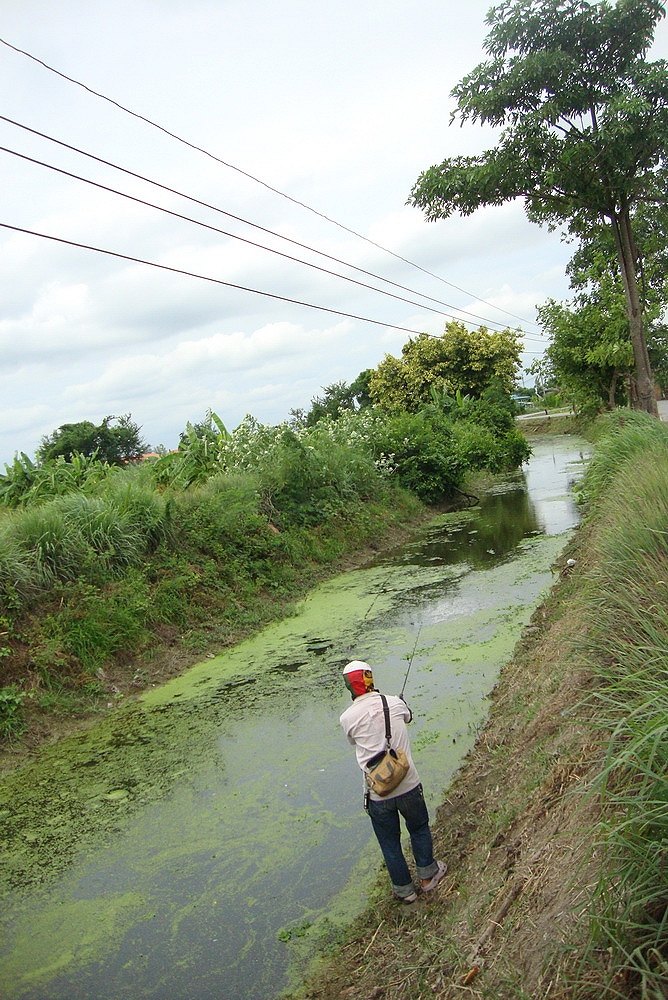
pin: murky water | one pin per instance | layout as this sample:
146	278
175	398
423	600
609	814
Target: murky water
192	845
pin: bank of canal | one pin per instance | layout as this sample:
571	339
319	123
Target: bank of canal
176	849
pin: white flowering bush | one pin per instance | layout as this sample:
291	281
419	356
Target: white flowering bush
341	460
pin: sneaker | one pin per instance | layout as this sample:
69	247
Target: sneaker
410	898
436	878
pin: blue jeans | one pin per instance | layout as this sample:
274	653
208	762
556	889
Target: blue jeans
385	821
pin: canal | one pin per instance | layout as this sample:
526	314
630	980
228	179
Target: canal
202	841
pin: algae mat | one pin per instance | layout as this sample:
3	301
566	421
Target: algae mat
190	845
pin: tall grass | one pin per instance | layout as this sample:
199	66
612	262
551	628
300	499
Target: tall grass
78	537
620	437
626	609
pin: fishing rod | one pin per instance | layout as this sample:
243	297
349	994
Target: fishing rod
410	663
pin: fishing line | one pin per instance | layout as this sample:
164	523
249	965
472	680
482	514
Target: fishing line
383	590
410	662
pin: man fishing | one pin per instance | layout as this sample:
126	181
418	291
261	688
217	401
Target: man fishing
364	724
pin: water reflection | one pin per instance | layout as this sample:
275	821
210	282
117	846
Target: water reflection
535	500
484	535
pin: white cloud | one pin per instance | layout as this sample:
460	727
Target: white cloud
341	111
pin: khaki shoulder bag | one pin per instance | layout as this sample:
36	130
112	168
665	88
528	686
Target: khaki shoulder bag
389	767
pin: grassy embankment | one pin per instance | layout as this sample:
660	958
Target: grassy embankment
556	828
112	579
145	596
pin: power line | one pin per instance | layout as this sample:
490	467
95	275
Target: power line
252	177
223	232
215	281
204	277
237	218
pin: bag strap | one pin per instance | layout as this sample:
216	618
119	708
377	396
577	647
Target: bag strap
386	713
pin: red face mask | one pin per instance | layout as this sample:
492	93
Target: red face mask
358	678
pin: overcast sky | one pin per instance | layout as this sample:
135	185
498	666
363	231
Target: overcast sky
338	105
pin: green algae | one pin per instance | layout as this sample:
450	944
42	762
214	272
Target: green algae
217	800
34	958
340	602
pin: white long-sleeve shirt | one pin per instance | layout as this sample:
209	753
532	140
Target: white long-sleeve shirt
363	722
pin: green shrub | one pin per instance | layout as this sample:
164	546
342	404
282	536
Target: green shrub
222	520
424	451
309	478
12	721
494	409
513	451
94	624
476	445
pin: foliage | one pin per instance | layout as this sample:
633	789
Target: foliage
132	495
336	399
590	353
621	438
460	361
93	624
483	450
26	483
224	521
18	480
200	454
585	129
12	721
360	389
18	574
199	538
78	537
306	479
494	409
657	345
424	453
112	444
43	536
595	256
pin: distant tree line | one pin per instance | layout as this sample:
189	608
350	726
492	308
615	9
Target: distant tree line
116	440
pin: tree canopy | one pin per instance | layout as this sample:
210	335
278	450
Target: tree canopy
584	137
461	360
337	398
112	444
590	355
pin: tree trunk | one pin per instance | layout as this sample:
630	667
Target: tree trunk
621	225
612	390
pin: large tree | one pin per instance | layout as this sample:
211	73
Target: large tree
584	137
113	443
461	360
